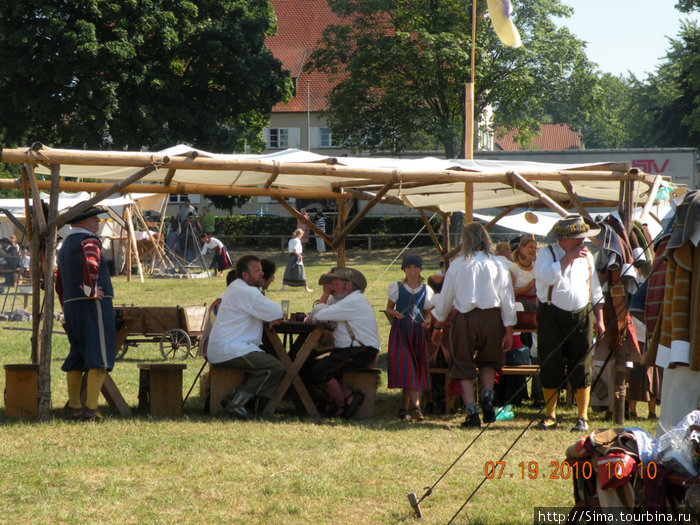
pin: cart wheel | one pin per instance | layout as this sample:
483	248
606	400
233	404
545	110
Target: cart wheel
194	351
121	351
175	343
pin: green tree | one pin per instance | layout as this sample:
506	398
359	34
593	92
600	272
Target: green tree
686	6
228	202
138	73
667	105
402	66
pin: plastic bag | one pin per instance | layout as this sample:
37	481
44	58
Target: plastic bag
505	414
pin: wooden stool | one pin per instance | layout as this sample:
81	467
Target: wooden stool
365	380
160	388
222	381
21	389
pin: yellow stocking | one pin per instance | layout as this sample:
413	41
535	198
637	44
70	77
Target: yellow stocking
95	378
74	379
551	396
582	396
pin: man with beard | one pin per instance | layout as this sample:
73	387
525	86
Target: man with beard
355	337
236	336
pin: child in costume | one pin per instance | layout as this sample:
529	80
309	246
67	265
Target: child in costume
408	311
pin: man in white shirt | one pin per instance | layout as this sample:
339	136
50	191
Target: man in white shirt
355	338
236	336
567	287
479	288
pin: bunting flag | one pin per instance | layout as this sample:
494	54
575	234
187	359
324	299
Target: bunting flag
499	11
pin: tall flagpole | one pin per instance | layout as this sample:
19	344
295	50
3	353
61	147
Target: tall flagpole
469	123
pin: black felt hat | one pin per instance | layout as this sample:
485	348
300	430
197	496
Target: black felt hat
90	212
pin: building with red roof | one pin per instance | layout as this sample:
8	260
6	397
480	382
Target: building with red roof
298	123
550	137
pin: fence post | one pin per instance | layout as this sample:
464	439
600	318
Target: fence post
369	245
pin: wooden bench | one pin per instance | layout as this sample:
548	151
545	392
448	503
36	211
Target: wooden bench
522	370
366	381
222	381
160	388
21	390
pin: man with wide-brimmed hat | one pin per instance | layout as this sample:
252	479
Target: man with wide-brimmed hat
355	337
568	292
84	289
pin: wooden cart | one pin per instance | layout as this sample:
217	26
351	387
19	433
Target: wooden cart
176	329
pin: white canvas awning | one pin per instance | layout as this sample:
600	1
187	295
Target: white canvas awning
418	183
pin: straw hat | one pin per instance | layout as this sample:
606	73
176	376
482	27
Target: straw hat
573	227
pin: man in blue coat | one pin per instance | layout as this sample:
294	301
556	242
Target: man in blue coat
85	290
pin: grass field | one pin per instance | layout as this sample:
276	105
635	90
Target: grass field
284	469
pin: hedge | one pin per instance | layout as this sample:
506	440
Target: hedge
229	229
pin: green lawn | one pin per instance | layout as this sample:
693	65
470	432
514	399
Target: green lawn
285	469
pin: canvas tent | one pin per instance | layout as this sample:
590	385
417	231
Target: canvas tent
429	184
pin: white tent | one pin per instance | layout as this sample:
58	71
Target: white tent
419	183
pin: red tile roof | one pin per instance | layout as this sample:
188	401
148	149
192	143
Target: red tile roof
300	25
551	137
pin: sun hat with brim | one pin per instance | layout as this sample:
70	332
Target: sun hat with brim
326	277
90	212
345	274
573	227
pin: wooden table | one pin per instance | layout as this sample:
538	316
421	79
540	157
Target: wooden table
300	347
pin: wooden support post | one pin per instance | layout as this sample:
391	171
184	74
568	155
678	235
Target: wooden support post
340	249
28	170
650	199
434	238
44	380
132	241
468	202
574	198
447	241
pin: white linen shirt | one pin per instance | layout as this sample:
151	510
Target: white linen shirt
239	322
393	294
522	277
571	290
213	244
294	245
356	310
479	281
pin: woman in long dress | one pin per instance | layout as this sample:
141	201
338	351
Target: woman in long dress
295	273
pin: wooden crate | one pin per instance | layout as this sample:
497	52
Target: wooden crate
193	318
151	320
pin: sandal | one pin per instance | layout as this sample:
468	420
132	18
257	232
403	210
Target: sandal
418	414
405	416
351	409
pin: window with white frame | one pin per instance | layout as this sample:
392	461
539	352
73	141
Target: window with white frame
325	139
321	138
279	138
